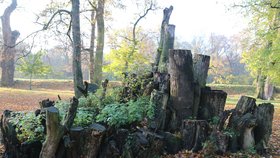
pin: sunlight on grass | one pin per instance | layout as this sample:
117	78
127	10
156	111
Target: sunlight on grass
37	92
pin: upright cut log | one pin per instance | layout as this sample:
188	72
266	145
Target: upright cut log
10	140
264	114
168	43
241	124
212	103
200	66
165	21
160	101
194	134
55	130
86	141
181	83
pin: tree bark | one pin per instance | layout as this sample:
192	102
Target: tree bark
160	100
166	16
200	66
86	141
92	45
98	62
194	133
268	89
77	69
212	103
56	130
168	43
260	87
264	115
242	123
181	83
9	39
13	147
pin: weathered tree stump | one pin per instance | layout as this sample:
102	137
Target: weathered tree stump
168	43
160	100
212	103
140	145
173	142
55	130
244	105
13	147
194	134
85	142
181	83
264	115
165	21
200	66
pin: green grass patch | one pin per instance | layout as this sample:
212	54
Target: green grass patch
235	89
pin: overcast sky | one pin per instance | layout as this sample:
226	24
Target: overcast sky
191	17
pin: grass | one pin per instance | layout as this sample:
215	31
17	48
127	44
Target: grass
36	92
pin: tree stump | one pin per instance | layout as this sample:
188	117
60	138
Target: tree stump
200	66
143	144
212	103
168	43
264	115
55	130
13	147
160	100
181	83
194	134
241	123
10	140
165	21
85	141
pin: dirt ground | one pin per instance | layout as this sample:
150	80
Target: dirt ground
20	98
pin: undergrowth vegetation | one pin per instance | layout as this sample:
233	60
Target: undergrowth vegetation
28	126
110	110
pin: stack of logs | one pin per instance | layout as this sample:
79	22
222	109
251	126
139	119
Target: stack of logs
187	114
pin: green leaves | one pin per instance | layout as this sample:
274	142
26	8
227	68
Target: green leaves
119	114
28	127
261	46
33	65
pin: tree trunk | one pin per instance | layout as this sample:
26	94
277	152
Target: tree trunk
92	45
260	87
9	51
200	66
77	69
268	89
168	43
56	130
30	82
98	63
181	83
166	16
212	103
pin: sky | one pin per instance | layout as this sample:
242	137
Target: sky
192	18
